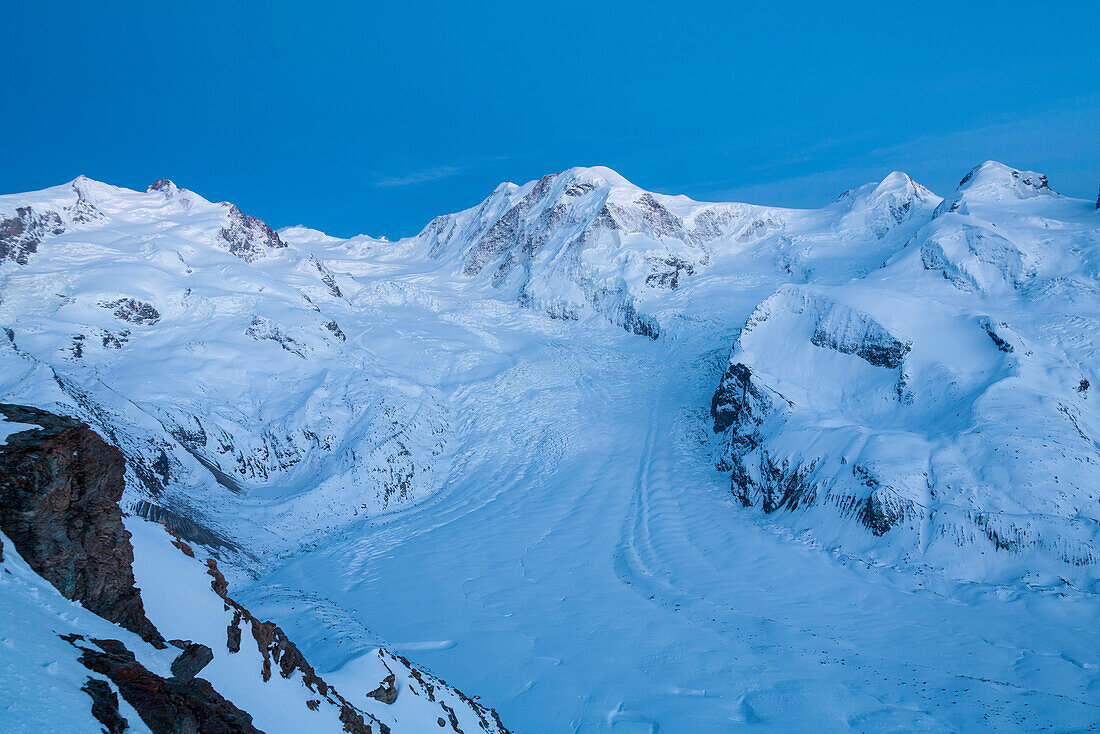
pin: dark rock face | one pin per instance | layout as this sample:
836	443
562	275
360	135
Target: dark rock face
83	210
247	237
640	324
112	340
386	692
105	706
193	659
783	485
77	349
264	328
278	651
579	188
499	237
59	493
661	221
273	644
737	400
277	648
327	277
878	514
161	184
21	235
759	479
336	330
879	350
988	328
1034	181
182	526
166	705
665	273
133	311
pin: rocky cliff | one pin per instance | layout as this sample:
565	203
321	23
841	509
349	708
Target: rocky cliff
59	492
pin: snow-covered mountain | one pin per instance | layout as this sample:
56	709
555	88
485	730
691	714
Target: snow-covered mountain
435	442
942	402
195	339
587	240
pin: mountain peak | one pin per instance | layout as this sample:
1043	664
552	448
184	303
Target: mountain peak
995	182
992	176
596	175
895	180
164	186
892	201
90	188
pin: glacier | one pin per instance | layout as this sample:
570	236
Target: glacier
607	459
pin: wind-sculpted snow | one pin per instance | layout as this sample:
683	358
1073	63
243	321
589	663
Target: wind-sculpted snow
489	445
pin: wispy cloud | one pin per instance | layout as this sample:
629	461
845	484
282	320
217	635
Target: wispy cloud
418	177
434	173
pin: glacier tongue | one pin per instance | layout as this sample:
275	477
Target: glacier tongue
458	443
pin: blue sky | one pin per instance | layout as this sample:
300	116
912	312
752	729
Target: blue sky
368	117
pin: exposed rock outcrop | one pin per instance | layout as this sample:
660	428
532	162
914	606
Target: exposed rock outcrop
21	234
105	706
276	648
133	311
737	400
166	705
163	185
263	328
386	692
774	477
191	661
59	493
327	277
248	237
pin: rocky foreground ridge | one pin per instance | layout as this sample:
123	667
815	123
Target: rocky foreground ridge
60	485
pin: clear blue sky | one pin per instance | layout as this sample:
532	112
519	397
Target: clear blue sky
369	117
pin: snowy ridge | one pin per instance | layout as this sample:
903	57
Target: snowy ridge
587	239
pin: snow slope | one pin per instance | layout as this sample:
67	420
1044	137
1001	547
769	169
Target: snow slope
943	402
43	680
192	337
506	468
